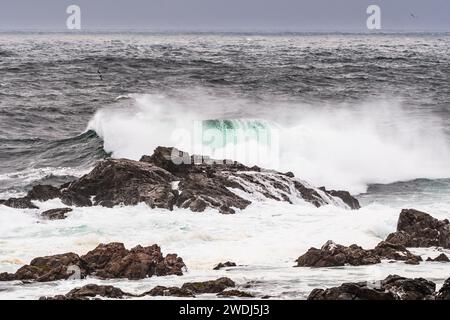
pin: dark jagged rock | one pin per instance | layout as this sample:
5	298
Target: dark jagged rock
419	229
235	293
43	193
90	291
121	181
213	286
409	289
392	288
198	191
351	291
224	265
114	261
20	203
172	177
204	182
333	255
50	268
441	258
169	291
70	198
345	196
386	250
106	261
444	293
56	214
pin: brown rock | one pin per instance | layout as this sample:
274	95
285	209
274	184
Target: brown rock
114	261
419	229
213	286
235	293
90	291
444	293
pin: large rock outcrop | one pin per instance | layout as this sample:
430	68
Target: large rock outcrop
334	255
114	261
106	261
419	229
121	181
392	288
171	177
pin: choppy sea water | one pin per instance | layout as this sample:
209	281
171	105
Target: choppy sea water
369	114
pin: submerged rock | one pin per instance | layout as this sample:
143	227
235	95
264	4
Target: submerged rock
392	288
90	291
56	214
419	229
224	265
107	261
213	286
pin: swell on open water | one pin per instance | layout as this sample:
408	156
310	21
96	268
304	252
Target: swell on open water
365	113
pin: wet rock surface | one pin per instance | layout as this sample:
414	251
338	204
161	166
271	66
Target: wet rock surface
392	288
107	261
419	229
56	214
201	183
50	268
213	286
44	193
190	289
91	291
222	265
20	203
169	291
334	255
444	292
114	261
235	293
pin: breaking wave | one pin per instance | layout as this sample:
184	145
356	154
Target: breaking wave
340	146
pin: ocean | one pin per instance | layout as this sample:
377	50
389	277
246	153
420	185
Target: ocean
364	113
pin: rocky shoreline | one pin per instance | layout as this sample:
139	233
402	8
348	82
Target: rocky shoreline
171	178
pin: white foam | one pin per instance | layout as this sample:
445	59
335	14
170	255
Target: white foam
265	239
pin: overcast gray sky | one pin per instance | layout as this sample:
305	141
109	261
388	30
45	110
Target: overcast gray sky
265	15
